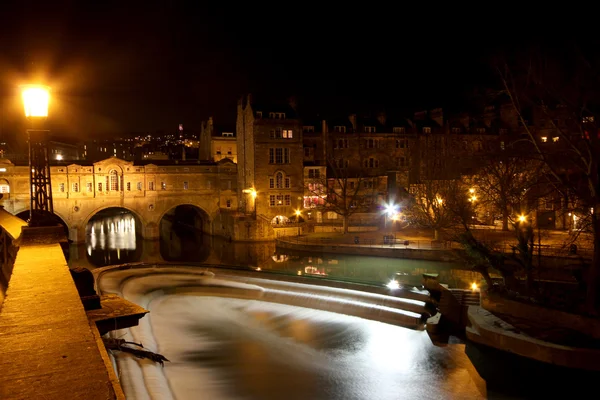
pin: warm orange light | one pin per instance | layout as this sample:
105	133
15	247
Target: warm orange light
35	100
522	218
298	213
472	190
473	286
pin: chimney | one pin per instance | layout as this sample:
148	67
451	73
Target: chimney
324	126
352	119
437	115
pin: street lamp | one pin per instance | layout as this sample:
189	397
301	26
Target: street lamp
253	193
36	99
298	214
391	209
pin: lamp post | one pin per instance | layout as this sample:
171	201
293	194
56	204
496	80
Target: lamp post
298	214
35	100
254	194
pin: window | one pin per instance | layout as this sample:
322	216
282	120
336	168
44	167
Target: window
99	186
272	200
75	187
218	148
341	163
288	199
4	187
340	144
370	129
151	185
229	151
502	147
368	184
287	183
455	130
587	119
271	183
114	180
308	129
341	129
399	129
351	184
331	215
555	139
426	129
314	173
401	144
228	203
279	199
259	114
163	186
129	186
371	163
544	139
548	204
61	187
279	180
288	134
279	156
371	143
402	161
185	185
307	152
139	186
88	186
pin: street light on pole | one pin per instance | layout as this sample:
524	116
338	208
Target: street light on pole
298	214
253	193
36	99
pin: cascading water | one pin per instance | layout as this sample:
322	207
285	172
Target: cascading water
237	335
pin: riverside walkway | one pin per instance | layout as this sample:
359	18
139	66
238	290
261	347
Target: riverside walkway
48	348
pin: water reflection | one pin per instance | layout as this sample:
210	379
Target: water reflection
112	239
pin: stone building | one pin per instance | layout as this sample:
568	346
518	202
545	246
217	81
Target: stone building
270	160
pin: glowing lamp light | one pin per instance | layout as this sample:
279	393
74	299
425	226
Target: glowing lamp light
522	218
35	100
298	213
393	284
391	209
471	190
473	286
59	157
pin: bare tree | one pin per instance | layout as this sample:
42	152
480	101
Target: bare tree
563	89
505	181
439	205
345	189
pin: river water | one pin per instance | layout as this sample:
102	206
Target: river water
221	347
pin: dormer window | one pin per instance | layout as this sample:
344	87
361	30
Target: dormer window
259	114
308	129
276	115
340	129
369	129
426	129
399	129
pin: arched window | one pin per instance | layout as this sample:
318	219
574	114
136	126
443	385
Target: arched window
4	186
114	180
279	180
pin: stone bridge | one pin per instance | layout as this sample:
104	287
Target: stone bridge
148	191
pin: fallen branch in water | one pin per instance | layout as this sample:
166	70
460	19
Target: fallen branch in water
120	345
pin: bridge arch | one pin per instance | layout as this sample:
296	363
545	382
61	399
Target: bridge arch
136	214
24	215
193	210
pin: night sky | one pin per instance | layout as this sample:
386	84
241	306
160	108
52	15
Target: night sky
147	66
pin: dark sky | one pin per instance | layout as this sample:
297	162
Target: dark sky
122	66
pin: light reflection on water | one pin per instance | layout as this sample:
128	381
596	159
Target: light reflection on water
112	240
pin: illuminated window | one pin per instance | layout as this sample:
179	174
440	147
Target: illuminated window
75	187
151	185
100	186
555	139
544	139
88	186
61	187
288	134
185	185
426	129
4	187
114	180
331	215
163	186
139	186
